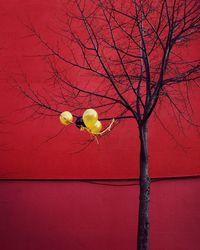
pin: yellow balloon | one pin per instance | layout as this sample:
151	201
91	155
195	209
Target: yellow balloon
66	118
96	128
90	116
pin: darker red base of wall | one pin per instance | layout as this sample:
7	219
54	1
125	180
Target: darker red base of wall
77	216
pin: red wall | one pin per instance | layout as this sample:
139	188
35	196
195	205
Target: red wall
23	150
77	215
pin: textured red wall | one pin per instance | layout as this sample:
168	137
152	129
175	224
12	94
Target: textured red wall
23	152
77	216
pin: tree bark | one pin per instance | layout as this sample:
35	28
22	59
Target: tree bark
143	215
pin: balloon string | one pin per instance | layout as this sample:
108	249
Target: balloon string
104	131
108	128
101	133
97	141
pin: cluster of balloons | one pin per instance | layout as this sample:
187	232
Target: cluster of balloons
89	121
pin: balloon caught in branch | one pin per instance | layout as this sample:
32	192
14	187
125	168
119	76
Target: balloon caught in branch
90	117
66	118
88	122
96	128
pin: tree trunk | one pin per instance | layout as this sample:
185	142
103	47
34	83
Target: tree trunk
143	216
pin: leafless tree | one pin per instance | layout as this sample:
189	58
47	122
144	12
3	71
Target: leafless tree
121	58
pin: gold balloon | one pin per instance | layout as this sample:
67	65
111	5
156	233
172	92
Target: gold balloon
96	128
66	118
90	116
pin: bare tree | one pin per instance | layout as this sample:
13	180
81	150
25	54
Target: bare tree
125	56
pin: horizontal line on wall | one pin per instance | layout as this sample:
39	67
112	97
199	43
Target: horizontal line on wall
99	179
